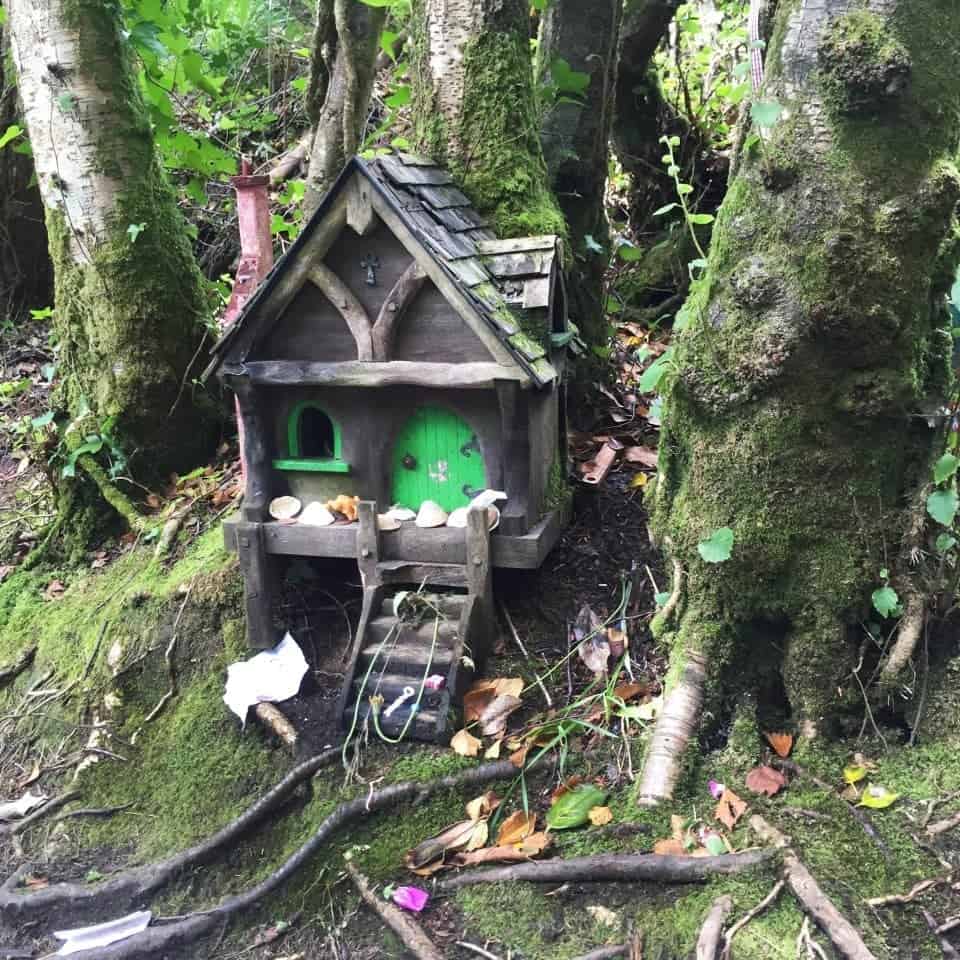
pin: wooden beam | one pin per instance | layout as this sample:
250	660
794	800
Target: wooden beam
257	449
354	373
360	215
394	307
351	309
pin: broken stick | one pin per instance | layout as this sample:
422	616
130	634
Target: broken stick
402	924
708	943
843	935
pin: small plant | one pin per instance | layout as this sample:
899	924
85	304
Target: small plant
885	599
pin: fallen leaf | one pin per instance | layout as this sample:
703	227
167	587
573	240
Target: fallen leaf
603	915
877	798
850	793
730	809
670	847
627	691
641	455
766	780
484	692
36	882
466	744
595	654
714	845
639	480
782	743
566	786
519	757
32	777
854	773
483	805
493	720
429	856
532	846
518	826
599	816
55	590
493	751
573	808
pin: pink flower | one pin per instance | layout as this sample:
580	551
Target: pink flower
716	789
410	898
436	682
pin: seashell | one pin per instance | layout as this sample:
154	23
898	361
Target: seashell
345	504
284	508
315	514
431	515
402	513
487	498
458	517
387	521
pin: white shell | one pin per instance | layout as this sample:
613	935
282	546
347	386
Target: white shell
284	508
315	514
487	498
387	521
401	513
458	517
431	515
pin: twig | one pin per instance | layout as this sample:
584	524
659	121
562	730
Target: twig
613	867
51	806
942	826
924	684
10	673
769	899
843	935
946	947
604	953
951	923
479	951
806	941
94	811
708	943
402	924
899	898
671	605
523	650
274	720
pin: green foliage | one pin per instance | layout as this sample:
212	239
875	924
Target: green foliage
942	506
886	602
945	468
718	547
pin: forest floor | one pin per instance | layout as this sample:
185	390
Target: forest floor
83	714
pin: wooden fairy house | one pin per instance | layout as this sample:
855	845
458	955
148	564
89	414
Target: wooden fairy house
399	353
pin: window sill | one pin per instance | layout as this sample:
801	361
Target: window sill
313	466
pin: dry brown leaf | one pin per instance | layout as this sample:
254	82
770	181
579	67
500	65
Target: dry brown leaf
670	846
617	640
642	455
344	504
532	846
567	784
627	691
595	654
599	816
428	856
28	778
55	590
517	827
483	805
466	744
519	757
493	751
730	809
493	720
782	743
765	780
483	692
479	837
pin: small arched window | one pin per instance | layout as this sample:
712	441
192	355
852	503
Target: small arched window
313	441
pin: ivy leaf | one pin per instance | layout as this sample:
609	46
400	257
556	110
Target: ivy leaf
11	133
134	230
572	809
701	218
567	80
626	251
399	98
655	372
665	209
942	506
717	547
661	598
944	469
765	113
945	542
885	601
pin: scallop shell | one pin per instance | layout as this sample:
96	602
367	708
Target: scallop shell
315	514
387	521
401	513
431	515
284	508
458	517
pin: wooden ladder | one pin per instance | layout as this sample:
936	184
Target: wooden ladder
394	651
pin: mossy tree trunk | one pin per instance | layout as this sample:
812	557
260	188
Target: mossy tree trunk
817	345
130	304
575	134
26	274
346	41
475	109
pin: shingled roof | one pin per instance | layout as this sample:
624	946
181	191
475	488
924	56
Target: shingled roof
505	281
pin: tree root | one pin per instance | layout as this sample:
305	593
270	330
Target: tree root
674	599
161	938
80	902
946	947
274	720
708	943
674	728
770	898
402	924
843	935
118	500
51	806
942	826
908	636
10	673
663	868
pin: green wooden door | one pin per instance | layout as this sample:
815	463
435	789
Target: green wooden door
436	457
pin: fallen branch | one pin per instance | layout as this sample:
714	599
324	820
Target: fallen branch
892	899
202	922
94	811
942	826
946	947
843	935
272	718
615	867
632	950
285	166
10	673
674	728
769	899
51	806
83	902
708	943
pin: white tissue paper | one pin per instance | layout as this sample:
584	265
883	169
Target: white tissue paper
271	676
102	934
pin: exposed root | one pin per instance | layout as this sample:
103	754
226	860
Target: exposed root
708	943
81	902
669	608
10	673
893	899
674	728
946	947
274	720
908	636
942	826
402	924
118	500
51	806
769	899
843	935
615	867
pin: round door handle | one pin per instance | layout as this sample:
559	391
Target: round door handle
469	491
409	462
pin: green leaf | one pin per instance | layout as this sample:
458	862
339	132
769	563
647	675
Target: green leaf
765	113
592	244
629	253
146	36
42	420
572	808
399	98
717	547
660	211
567	80
942	506
877	798
886	601
684	189
655	372
11	133
945	542
43	314
66	102
701	218
944	469
715	845
134	230
661	598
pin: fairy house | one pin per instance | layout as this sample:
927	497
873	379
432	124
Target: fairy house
399	353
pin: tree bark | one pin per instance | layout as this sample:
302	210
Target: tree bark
346	41
129	308
816	345
575	133
26	274
475	109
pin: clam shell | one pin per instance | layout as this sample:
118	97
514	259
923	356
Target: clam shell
284	508
402	513
387	521
315	514
458	517
431	515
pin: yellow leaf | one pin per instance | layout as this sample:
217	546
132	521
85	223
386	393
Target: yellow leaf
854	773
466	744
493	751
639	480
517	827
483	805
479	837
877	798
600	816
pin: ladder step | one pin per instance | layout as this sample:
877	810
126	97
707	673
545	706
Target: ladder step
423	728
408	659
391	685
394	631
440	574
449	604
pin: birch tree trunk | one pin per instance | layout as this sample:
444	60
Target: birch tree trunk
475	108
575	134
816	351
346	41
130	306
